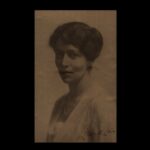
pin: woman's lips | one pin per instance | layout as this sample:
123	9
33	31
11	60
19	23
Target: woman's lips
65	72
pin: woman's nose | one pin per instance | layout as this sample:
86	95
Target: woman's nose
66	60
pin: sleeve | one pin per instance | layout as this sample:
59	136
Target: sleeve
102	126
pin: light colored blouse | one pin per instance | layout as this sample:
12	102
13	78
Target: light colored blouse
91	119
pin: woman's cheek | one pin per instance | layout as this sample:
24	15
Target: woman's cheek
79	65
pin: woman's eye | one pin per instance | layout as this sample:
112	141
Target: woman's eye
72	55
59	55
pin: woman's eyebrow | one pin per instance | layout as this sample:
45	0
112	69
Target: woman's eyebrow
58	50
73	50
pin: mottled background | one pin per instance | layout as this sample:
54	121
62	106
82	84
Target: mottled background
48	85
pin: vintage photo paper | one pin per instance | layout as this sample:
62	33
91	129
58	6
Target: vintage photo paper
75	76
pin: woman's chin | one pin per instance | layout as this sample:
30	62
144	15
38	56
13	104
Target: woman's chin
67	80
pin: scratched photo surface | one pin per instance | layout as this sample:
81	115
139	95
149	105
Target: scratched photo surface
75	106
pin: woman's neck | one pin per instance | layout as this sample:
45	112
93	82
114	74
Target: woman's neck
80	86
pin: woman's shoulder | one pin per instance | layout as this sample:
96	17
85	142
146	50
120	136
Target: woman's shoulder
102	102
99	94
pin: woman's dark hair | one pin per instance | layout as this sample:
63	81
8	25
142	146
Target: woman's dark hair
88	39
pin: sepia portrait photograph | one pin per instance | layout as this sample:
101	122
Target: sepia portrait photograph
75	76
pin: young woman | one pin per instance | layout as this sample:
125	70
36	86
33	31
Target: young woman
84	114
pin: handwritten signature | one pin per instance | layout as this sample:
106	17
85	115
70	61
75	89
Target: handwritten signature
102	132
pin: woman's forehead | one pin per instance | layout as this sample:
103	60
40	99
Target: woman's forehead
66	47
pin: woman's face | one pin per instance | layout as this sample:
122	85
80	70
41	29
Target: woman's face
71	63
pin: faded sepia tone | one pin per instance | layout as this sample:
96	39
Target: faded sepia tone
48	85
